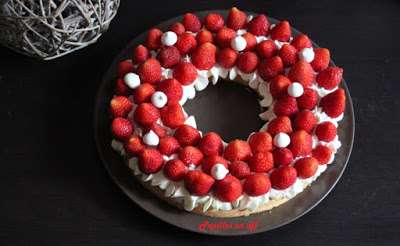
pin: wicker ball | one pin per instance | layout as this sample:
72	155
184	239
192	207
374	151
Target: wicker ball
47	29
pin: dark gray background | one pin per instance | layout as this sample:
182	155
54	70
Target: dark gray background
54	189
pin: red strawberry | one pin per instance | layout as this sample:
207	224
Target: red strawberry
190	155
303	73
121	89
279	86
146	114
289	55
228	189
150	161
236	19
214	22
322	154
140	54
134	145
185	73
153	41
330	77
212	160
172	88
251	41
124	68
168	146
270	67
282	157
224	37
174	169
326	131
306	167
267	49
143	93
321	59
156	128
281	32
280	124
211	144
149	71
169	56
172	115
237	150
286	107
204	56
257	184
261	162
283	177
121	128
259	26
261	142
300	143
301	41
227	58
308	100
305	120
198	183
191	22
120	106
177	28
186	43
204	36
247	62
187	135
239	169
334	103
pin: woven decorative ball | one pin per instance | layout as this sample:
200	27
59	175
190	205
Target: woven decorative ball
47	29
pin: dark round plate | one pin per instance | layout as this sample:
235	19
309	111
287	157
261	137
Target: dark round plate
268	220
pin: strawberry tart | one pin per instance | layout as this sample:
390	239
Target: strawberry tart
197	171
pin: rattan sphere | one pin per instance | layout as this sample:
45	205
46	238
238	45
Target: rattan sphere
47	29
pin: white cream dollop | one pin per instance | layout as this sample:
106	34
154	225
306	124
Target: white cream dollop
132	80
169	38
307	55
281	140
219	171
159	99
295	89
238	43
151	138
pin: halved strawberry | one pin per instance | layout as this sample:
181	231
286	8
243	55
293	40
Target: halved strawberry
334	103
150	161
306	167
279	86
330	77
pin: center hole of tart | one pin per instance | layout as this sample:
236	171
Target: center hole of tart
227	108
